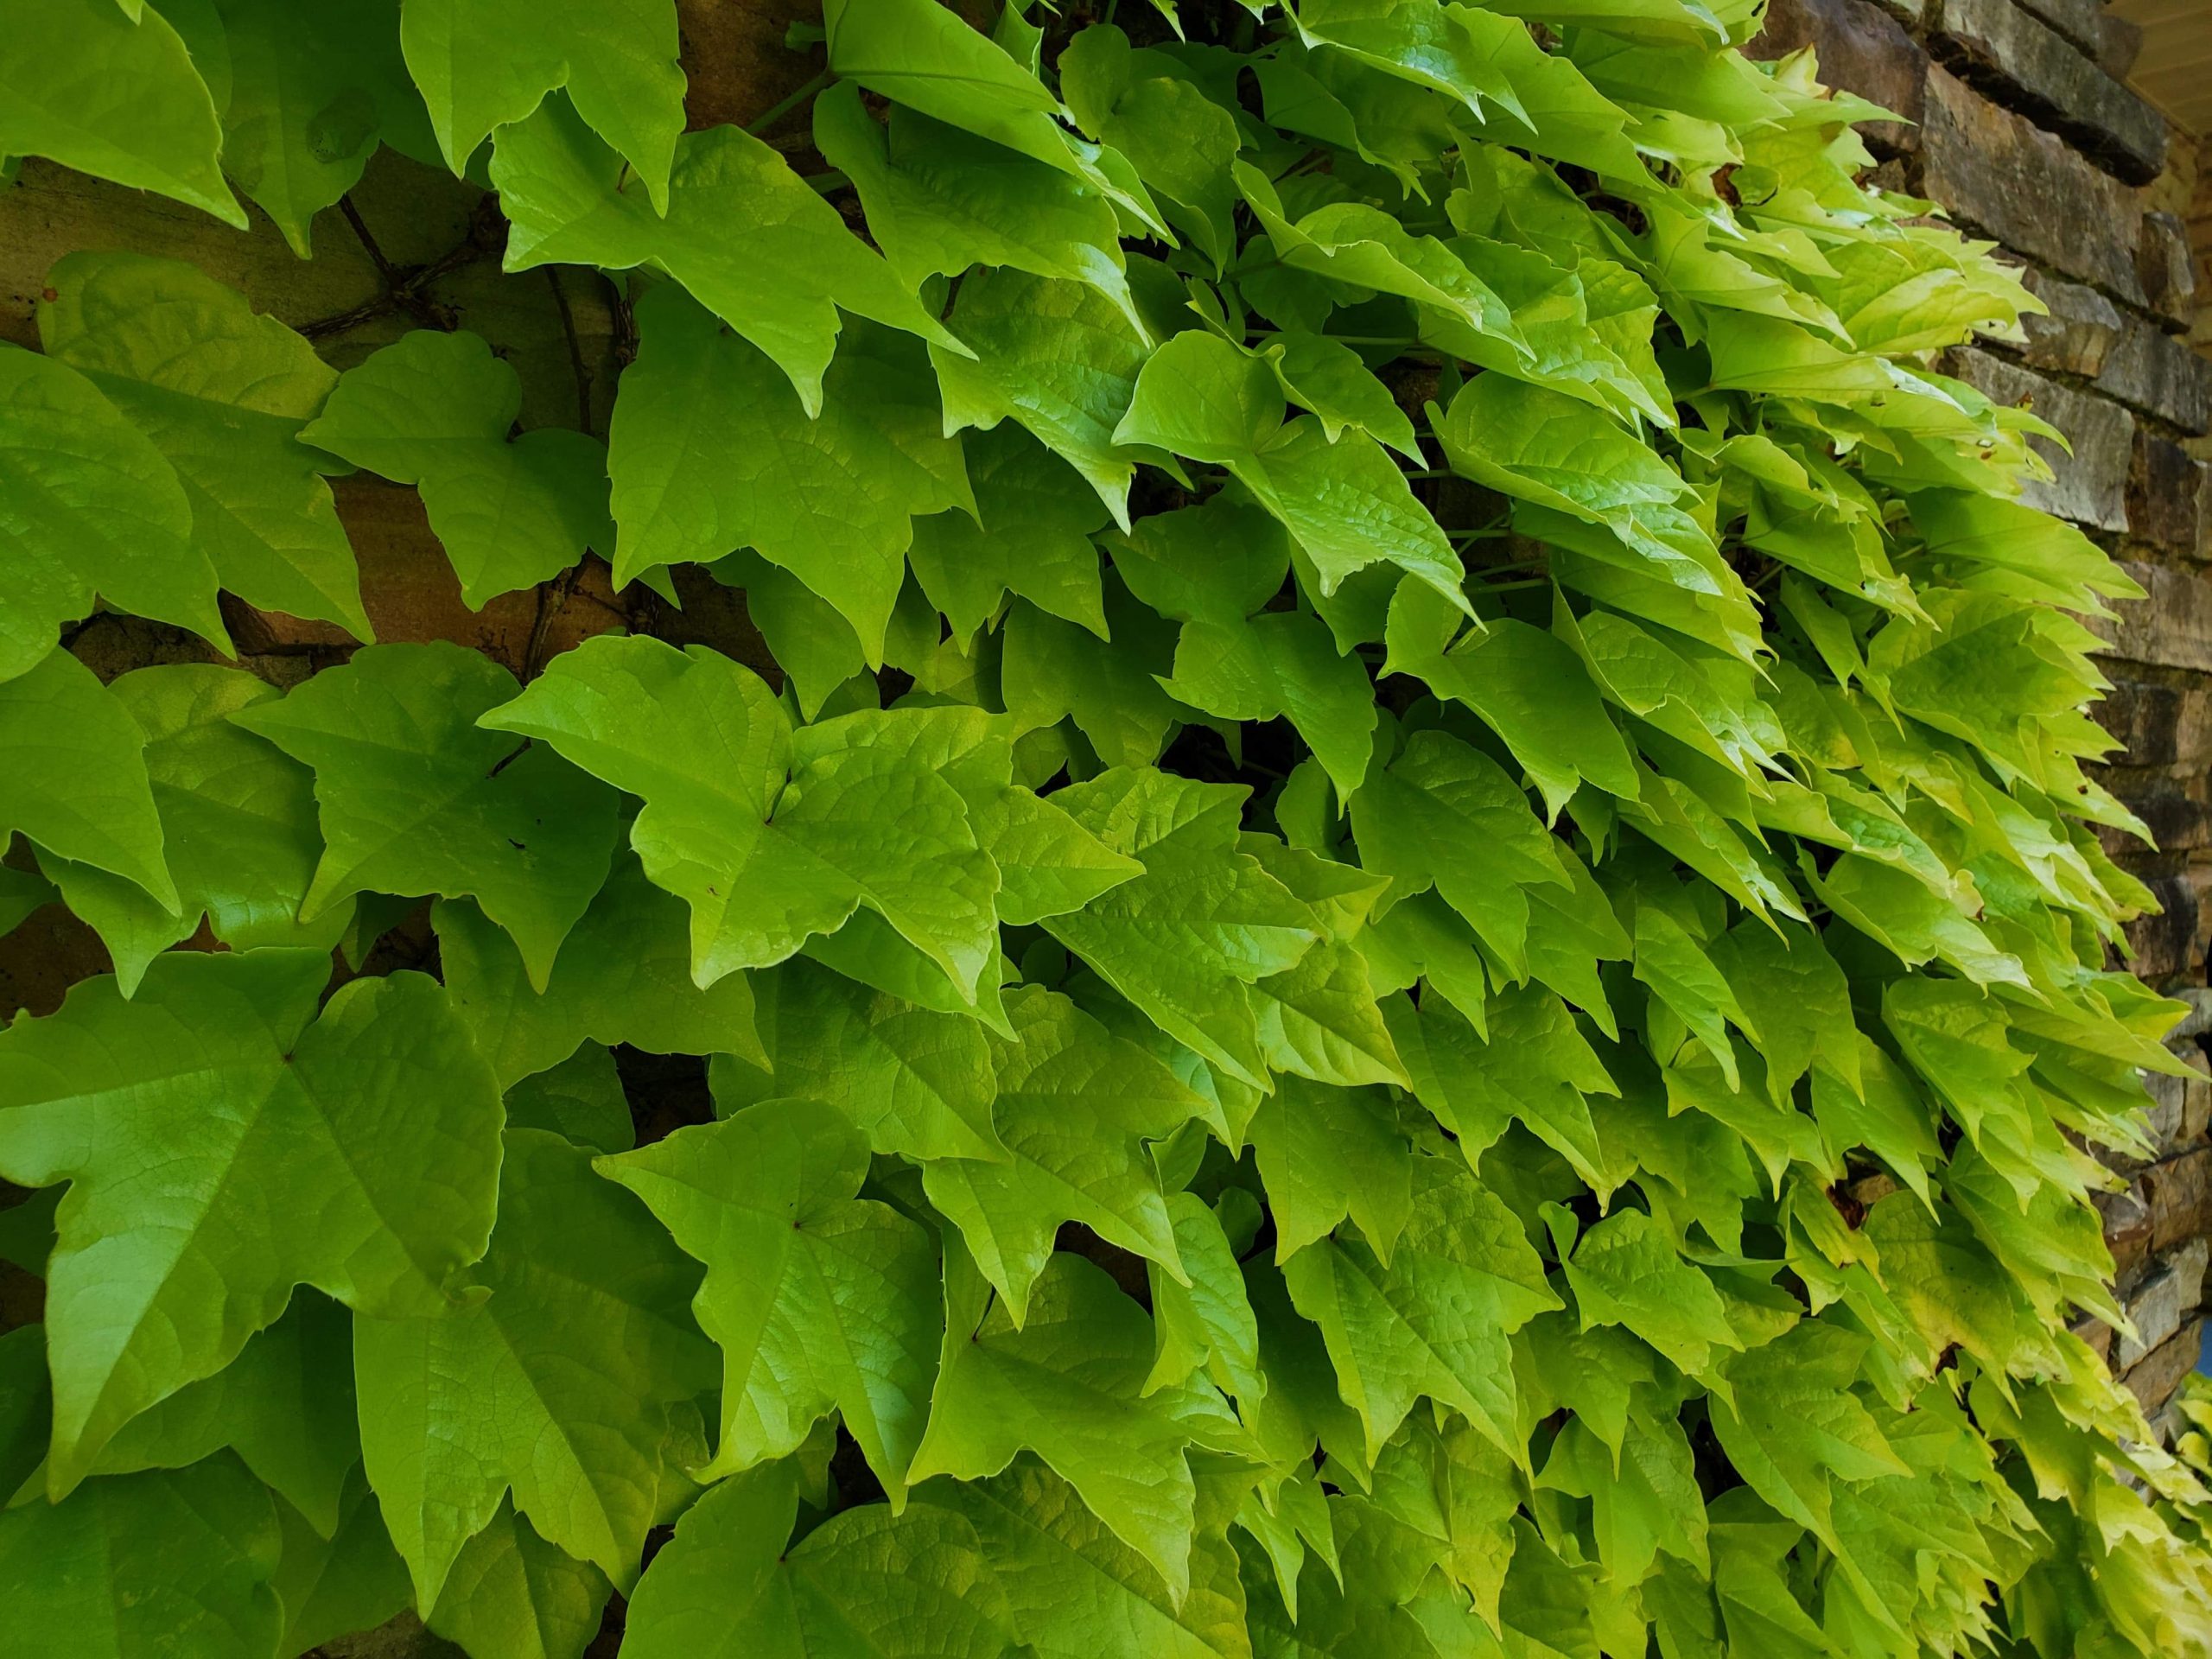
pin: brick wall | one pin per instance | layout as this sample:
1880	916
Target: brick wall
2021	125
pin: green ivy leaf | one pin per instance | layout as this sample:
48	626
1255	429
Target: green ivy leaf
483	64
1444	814
435	410
865	819
1049	863
1179	141
623	976
1344	501
21	894
115	96
1282	663
285	1405
916	1080
1527	686
1328	378
1030	534
743	234
820	1300
1461	1279
1461	1494
1332	1616
1185	940
1057	357
238	826
939	199
1445	49
220	1076
222	392
831	497
1882	1112
310	93
1625	1271
1533	1067
565	1383
1206	1325
1053	670
914	1585
1544	447
1076	1108
351	1580
134	1564
1321	1020
1645	1502
581	1099
1793	1426
917	55
92	507
414	799
78	786
1352	243
1039	1534
512	1595
1325	1155
1218	561
1797	1003
1067	1384
1683	979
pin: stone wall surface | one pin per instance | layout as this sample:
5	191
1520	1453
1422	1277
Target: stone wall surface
2028	134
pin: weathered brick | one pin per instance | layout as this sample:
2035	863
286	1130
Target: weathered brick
411	592
2089	485
2155	1310
2030	189
2187	1265
2128	1230
2159	374
2153	1381
2178	820
2163	1116
2157	725
2165	267
735	62
2178	1194
1861	49
2164	944
2077	19
2078	334
1999	42
2120	42
2168	497
2171	626
2188	1030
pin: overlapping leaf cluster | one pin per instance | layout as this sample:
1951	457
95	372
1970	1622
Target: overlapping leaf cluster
1414	964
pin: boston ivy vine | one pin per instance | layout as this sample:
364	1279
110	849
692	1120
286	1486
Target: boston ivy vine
1410	960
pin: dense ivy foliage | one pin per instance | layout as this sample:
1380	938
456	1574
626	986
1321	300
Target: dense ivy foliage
1413	961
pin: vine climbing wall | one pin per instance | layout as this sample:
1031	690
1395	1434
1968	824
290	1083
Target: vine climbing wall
2022	124
1489	1018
